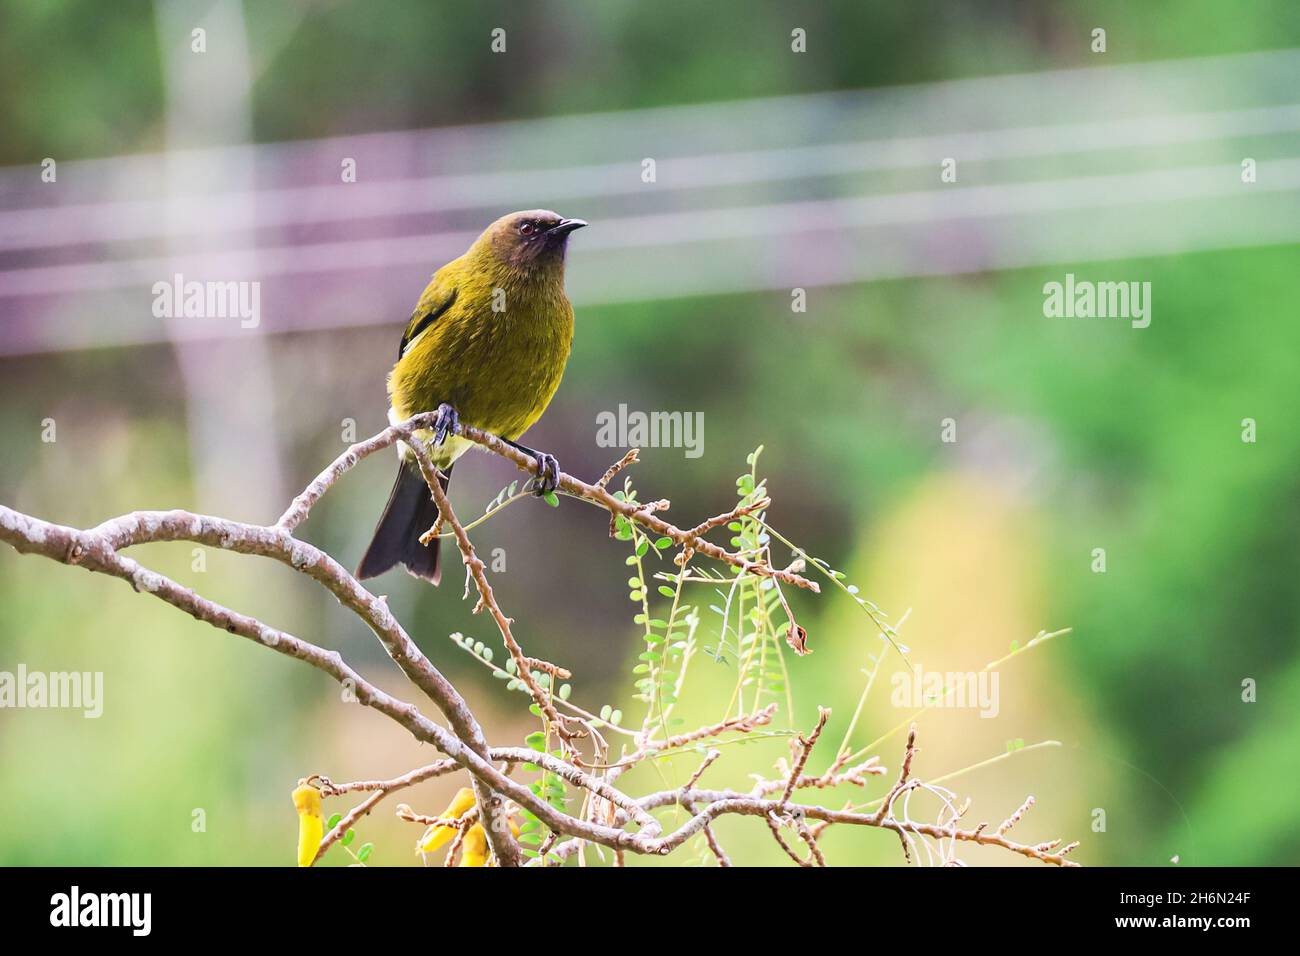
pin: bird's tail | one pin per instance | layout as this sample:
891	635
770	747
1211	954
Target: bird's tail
409	513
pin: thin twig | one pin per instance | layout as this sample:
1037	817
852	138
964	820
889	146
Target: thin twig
606	810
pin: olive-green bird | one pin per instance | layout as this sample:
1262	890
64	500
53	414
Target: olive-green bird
486	345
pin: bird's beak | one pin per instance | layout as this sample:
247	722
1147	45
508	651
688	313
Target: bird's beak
566	226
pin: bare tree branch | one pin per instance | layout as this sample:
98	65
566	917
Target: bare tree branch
609	817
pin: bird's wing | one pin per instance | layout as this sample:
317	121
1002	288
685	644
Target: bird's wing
436	300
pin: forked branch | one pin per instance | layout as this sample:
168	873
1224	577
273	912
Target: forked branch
609	816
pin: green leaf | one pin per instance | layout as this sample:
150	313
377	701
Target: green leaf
551	499
666	591
333	821
347	837
363	854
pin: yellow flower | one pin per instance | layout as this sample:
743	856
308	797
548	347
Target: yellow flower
474	849
311	827
438	834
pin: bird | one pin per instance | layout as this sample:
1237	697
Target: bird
486	345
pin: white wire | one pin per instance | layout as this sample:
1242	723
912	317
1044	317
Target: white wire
133	219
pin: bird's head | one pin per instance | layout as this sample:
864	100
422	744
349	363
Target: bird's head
530	241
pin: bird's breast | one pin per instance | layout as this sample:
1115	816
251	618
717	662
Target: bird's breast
498	369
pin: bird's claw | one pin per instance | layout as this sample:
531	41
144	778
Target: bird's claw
548	474
447	423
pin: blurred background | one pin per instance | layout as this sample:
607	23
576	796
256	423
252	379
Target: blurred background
773	170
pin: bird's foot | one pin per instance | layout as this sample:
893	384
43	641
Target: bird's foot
548	468
447	423
548	473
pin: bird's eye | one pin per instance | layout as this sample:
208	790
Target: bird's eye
526	229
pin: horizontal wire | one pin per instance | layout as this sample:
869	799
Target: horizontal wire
707	247
119	220
1039	197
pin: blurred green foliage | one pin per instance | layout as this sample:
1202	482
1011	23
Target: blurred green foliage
343	67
